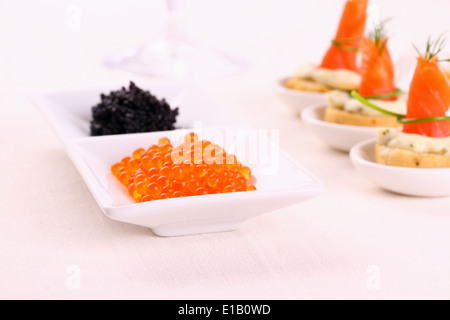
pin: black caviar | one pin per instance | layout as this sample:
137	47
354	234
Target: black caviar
131	110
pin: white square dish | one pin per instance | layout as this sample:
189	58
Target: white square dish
281	186
69	111
281	180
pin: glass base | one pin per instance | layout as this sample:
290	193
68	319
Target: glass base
176	59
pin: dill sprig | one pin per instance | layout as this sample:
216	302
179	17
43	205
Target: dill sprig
379	35
434	47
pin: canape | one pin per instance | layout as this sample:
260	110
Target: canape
339	68
424	140
377	85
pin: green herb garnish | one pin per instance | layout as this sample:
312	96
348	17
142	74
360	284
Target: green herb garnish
434	47
341	44
365	102
393	94
379	36
401	118
408	121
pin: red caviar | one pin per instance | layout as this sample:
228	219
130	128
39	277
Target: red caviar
193	168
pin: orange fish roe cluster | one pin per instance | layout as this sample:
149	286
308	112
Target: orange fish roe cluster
191	169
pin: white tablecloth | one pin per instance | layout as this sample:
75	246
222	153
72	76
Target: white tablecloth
355	241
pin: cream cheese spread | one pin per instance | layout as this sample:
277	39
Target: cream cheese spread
395	138
344	101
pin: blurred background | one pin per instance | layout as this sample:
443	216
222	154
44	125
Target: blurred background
57	43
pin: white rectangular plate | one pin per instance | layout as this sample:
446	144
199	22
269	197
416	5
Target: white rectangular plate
69	112
281	180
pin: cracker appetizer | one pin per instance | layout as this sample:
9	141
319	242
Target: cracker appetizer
424	141
377	85
339	68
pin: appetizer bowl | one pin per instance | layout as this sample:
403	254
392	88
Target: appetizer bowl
281	182
339	136
407	181
295	99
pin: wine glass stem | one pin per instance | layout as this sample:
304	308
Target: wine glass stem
176	24
174	6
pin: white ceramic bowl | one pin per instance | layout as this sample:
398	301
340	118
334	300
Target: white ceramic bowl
295	99
408	181
339	136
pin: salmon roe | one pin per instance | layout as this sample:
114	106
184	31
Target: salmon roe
194	168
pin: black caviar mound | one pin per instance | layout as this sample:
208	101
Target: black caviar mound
131	110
